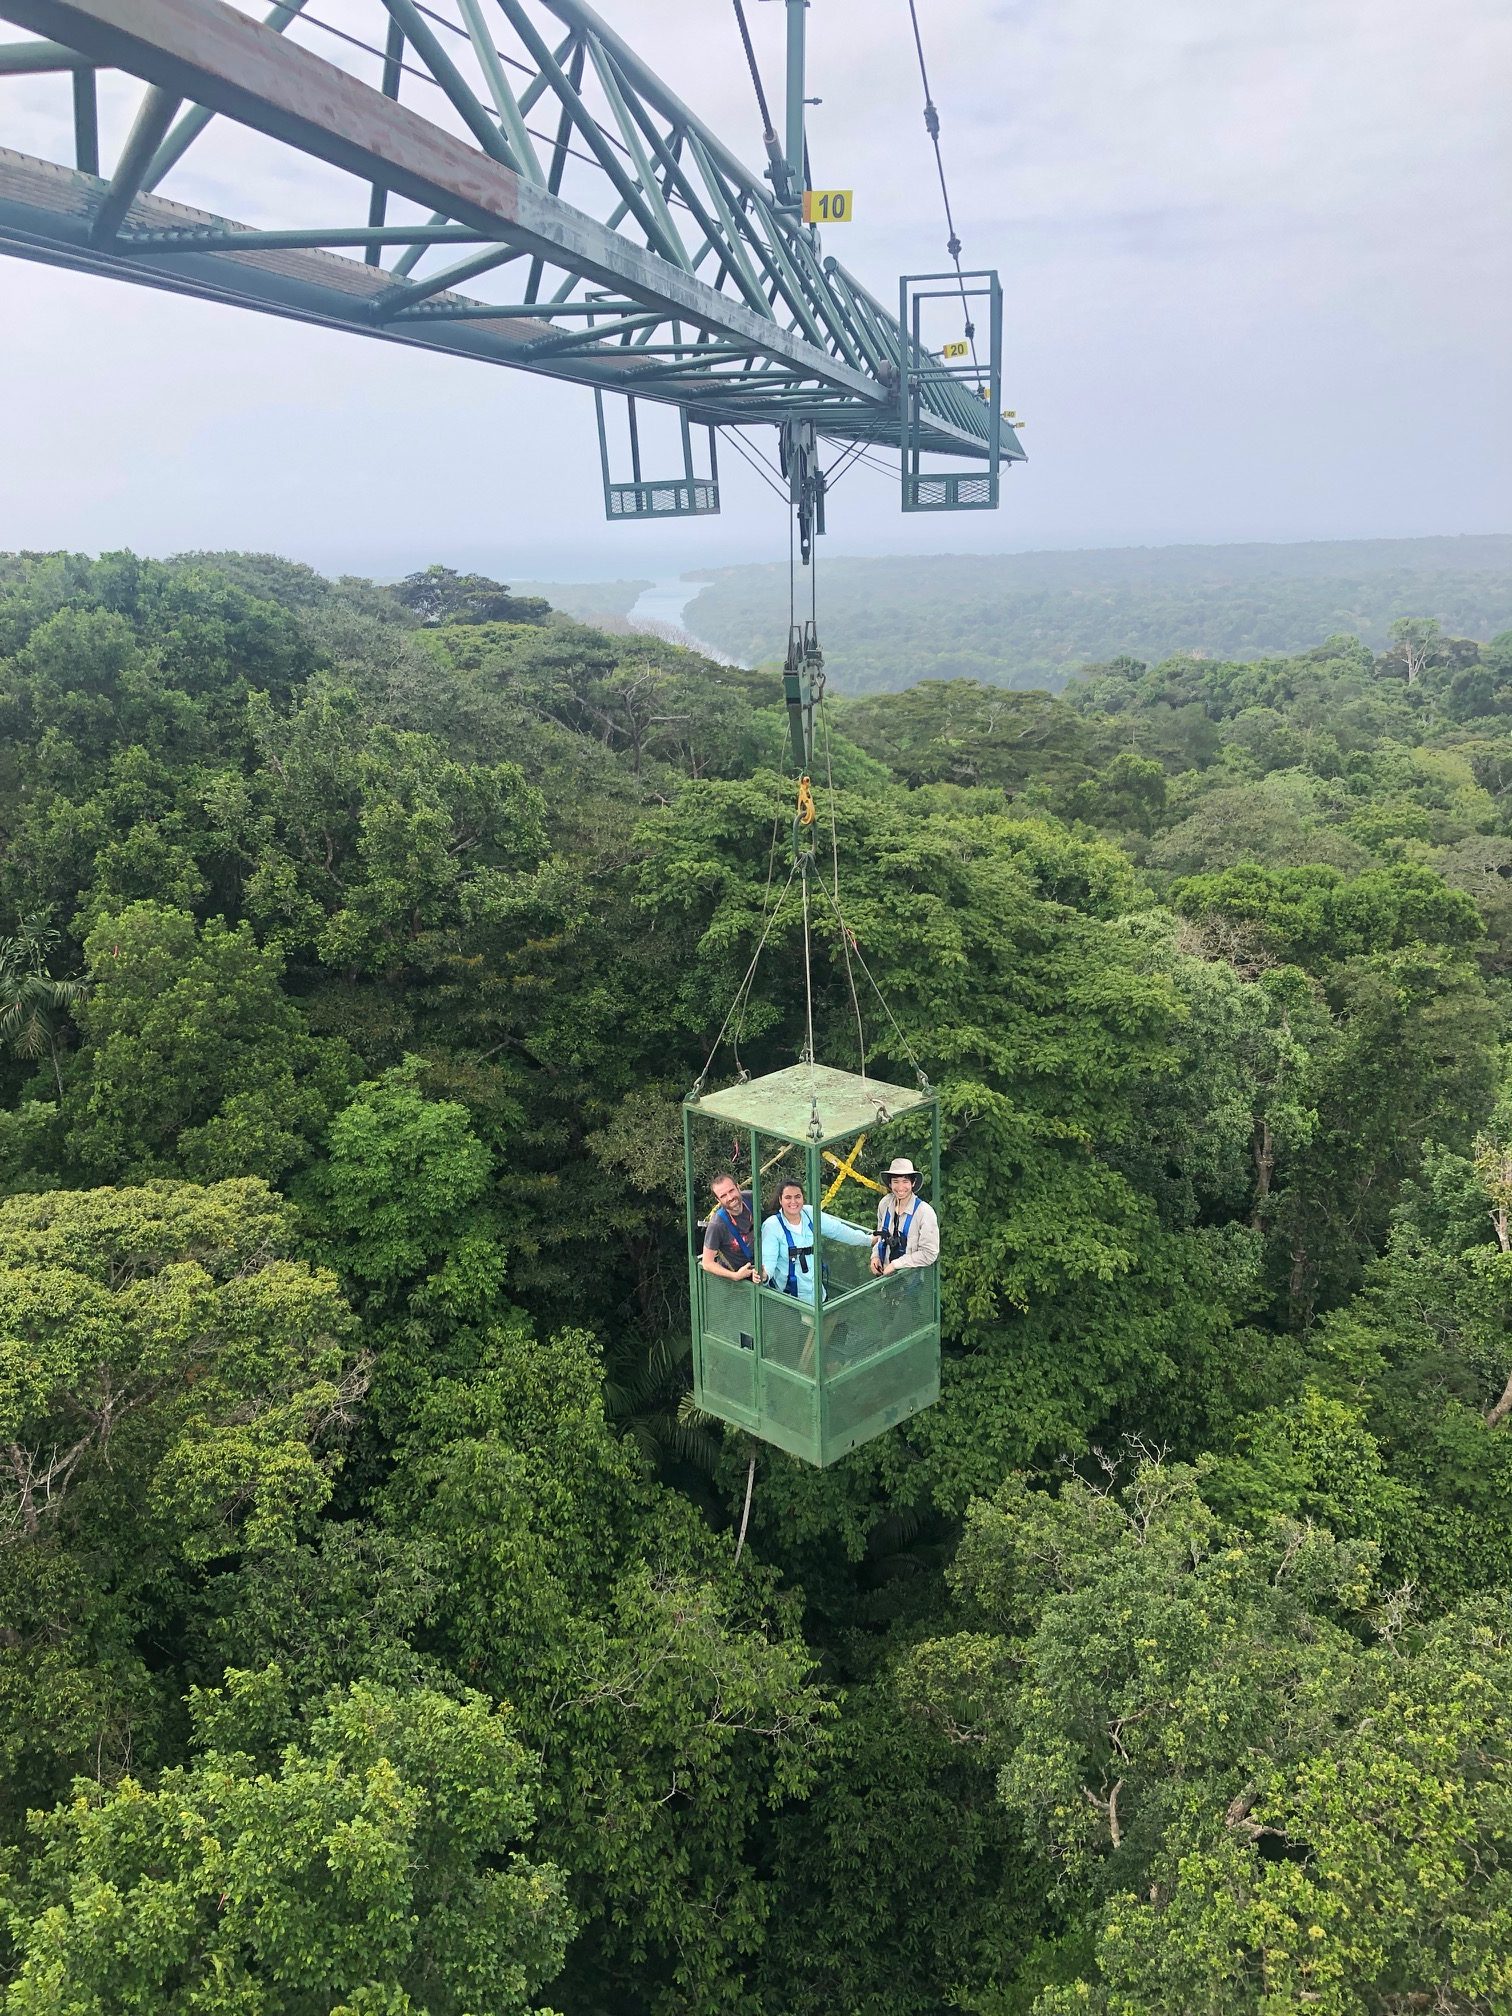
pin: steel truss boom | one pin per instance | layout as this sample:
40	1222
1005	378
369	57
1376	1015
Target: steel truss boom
619	242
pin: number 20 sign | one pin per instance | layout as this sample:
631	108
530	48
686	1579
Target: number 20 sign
827	206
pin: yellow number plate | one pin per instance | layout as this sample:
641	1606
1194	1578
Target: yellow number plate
827	206
955	350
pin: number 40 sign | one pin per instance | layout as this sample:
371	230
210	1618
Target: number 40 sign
827	206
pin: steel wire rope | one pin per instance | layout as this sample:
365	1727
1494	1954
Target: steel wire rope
952	243
742	1000
759	467
808	991
829	777
456	28
765	461
851	449
876	468
845	930
742	997
765	901
814	586
842	465
766	898
856	453
886	1009
744	987
800	859
768	131
792	583
813	574
805	860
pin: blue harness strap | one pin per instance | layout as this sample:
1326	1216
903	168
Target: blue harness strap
798	1256
736	1234
892	1243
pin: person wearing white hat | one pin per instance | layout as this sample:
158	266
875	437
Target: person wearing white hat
908	1232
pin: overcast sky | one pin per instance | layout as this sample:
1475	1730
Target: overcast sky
1259	286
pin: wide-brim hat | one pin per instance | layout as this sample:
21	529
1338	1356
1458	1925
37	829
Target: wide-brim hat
901	1166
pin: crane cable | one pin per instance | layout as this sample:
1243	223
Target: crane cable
923	1076
849	943
804	817
734	436
952	243
776	160
846	934
741	1073
806	811
743	990
848	939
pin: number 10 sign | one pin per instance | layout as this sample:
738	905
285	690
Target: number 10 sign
827	206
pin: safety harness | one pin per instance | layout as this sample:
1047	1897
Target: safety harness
736	1234
892	1242
798	1256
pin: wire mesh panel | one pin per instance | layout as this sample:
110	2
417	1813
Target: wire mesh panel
727	1383
787	1334
865	1400
729	1311
662	500
790	1411
897	1307
950	493
846	1267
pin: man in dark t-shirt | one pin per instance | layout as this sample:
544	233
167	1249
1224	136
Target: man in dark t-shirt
729	1246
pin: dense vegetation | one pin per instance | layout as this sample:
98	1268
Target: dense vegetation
1029	619
372	1635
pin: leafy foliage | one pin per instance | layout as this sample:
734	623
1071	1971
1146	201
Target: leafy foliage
1266	1811
374	1635
438	594
370	1862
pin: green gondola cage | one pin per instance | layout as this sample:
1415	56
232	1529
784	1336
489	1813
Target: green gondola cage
815	1381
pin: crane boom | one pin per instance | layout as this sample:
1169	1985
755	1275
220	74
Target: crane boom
644	256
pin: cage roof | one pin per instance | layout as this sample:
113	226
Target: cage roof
782	1102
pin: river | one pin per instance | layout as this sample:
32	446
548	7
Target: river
666	602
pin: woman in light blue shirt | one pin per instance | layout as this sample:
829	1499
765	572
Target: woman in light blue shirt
787	1243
